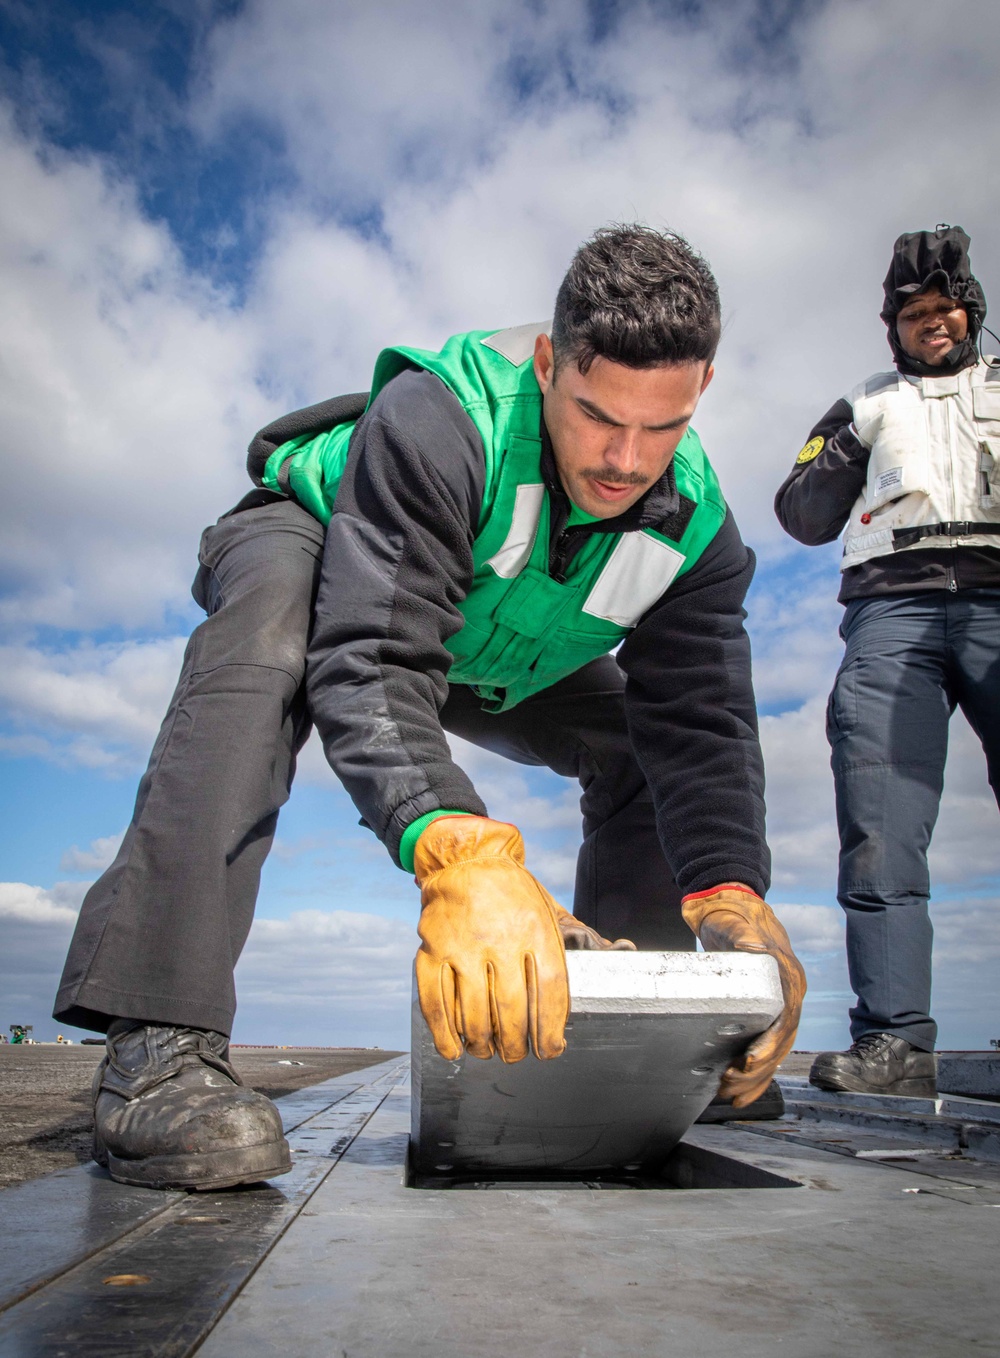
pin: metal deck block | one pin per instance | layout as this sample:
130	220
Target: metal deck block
649	1036
975	1074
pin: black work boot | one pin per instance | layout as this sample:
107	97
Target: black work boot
171	1112
878	1063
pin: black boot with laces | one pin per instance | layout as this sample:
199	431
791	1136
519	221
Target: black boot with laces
170	1111
878	1063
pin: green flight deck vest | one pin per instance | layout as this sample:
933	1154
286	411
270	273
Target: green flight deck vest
522	629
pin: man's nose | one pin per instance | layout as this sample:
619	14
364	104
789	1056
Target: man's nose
622	451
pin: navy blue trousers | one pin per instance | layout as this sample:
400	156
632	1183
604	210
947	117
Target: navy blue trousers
910	660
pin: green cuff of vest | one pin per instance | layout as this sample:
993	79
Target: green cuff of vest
408	843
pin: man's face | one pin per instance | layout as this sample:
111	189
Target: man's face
615	429
930	326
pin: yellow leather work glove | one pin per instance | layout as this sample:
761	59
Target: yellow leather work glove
491	968
732	918
577	935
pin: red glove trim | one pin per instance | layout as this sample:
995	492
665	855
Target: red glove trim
714	891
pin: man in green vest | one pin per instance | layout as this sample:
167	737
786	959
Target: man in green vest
499	517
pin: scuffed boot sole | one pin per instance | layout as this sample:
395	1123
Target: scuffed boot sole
202	1173
918	1088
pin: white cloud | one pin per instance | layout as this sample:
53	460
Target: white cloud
288	850
325	977
555	868
314	953
813	929
36	905
801	820
100	855
505	788
343	978
376	93
793	617
801	828
311	766
966	965
26	747
326	302
966	846
336	978
967	934
965	961
128	390
99	706
35	928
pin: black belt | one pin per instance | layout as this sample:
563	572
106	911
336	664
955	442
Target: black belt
960	528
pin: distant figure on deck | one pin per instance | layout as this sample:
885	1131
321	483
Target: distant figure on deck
908	466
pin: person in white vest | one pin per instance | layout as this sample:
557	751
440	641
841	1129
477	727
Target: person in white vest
907	465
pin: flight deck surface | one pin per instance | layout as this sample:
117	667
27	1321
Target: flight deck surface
854	1225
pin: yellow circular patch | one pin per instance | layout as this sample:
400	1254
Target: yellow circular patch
812	449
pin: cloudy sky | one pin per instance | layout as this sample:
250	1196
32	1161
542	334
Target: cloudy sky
215	211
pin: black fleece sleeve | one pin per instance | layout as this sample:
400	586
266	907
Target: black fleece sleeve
398	561
816	499
692	717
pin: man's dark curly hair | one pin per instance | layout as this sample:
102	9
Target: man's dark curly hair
638	297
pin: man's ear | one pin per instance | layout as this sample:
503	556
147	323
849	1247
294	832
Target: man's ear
544	362
709	374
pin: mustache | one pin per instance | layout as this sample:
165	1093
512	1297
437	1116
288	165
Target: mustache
611	477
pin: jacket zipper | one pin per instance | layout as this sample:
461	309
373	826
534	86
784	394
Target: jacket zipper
561	554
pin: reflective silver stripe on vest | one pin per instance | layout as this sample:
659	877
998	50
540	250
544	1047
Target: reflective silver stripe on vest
638	571
513	556
881	382
517	344
867	542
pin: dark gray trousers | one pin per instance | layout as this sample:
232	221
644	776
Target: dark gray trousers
160	932
910	660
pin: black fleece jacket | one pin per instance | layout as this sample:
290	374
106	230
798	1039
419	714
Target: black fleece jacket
399	561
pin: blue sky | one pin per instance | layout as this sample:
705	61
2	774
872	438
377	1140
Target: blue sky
215	211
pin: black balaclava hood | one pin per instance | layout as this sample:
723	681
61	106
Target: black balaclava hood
933	259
